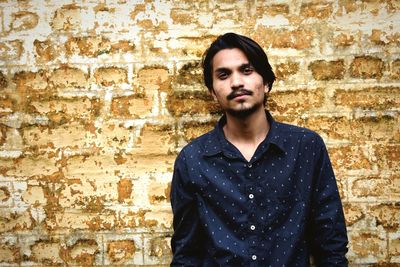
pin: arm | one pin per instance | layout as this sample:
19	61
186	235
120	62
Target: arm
328	229
186	241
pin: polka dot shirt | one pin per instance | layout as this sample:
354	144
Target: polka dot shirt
277	209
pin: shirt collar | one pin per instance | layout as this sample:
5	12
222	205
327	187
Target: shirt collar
217	143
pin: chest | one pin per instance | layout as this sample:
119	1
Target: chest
270	175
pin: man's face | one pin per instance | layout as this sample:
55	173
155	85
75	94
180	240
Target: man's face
237	86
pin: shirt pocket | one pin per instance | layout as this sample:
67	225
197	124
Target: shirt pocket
285	216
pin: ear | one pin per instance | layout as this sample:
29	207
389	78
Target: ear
266	88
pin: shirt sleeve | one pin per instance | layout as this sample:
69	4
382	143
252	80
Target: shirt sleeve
186	242
328	228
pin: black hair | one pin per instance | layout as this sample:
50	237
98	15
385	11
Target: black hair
253	51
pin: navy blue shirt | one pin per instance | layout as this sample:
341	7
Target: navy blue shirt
275	210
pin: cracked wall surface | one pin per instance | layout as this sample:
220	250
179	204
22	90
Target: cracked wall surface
98	97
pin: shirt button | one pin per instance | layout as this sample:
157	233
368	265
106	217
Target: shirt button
251	196
250	165
254	257
252	227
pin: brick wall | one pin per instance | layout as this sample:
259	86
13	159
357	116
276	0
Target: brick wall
96	99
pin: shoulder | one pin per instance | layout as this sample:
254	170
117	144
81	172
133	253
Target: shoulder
299	134
198	145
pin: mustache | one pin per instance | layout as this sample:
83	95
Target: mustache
239	92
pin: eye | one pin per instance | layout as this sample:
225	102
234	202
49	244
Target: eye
248	70
222	75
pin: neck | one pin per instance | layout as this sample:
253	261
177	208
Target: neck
249	130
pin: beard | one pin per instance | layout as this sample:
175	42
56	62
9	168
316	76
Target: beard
245	112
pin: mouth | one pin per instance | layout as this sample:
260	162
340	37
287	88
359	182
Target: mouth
239	93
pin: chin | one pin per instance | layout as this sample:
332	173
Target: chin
244	112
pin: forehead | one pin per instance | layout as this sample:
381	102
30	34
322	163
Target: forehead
229	58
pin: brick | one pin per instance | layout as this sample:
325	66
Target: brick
387	215
45	51
74	135
279	38
3	81
182	17
46	253
88	46
34	166
371	6
31	86
394	245
367	244
81	220
378	128
4	194
346	6
135	106
67	18
395	70
91	195
124	189
284	70
336	127
192	103
387	156
113	135
123	46
273	9
10	254
3	131
327	70
375	187
10	139
6	164
343	40
7	105
353	213
83	252
194	129
296	101
92	167
320	11
367	67
122	248
31	80
23	20
111	76
188	46
158	249
120	251
376	37
34	196
158	192
138	9
11	50
15	221
380	98
158	218
154	78
348	157
69	77
188	74
155	140
70	108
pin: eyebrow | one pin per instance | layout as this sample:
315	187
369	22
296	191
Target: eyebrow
241	67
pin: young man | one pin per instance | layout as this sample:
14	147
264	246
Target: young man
253	191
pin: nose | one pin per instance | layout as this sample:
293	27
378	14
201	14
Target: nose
236	81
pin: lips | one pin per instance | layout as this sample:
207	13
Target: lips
239	93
